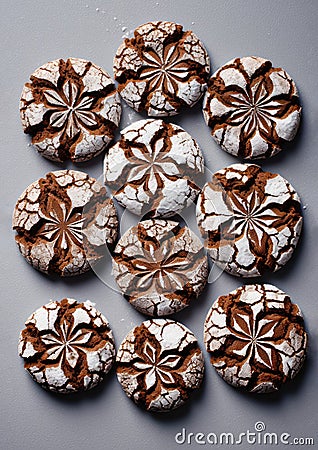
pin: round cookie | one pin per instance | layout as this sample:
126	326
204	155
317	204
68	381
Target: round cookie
256	338
153	168
160	267
162	69
251	220
251	107
159	364
67	346
71	109
63	222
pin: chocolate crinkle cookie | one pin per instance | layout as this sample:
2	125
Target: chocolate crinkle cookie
251	220
161	69
67	346
256	338
154	169
160	267
159	364
63	222
251	107
71	109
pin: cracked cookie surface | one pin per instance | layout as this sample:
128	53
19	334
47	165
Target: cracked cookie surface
162	69
63	222
71	109
256	338
251	220
251	107
153	168
67	346
159	364
160	267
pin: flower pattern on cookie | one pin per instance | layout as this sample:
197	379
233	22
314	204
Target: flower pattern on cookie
156	369
154	168
256	338
62	227
159	364
63	222
251	220
252	108
255	110
67	346
70	110
160	267
162	69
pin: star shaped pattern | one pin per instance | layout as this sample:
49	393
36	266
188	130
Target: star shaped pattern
155	368
252	108
152	166
164	69
62	226
161	268
254	338
251	219
70	110
65	344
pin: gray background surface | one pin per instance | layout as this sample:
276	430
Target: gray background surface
34	32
